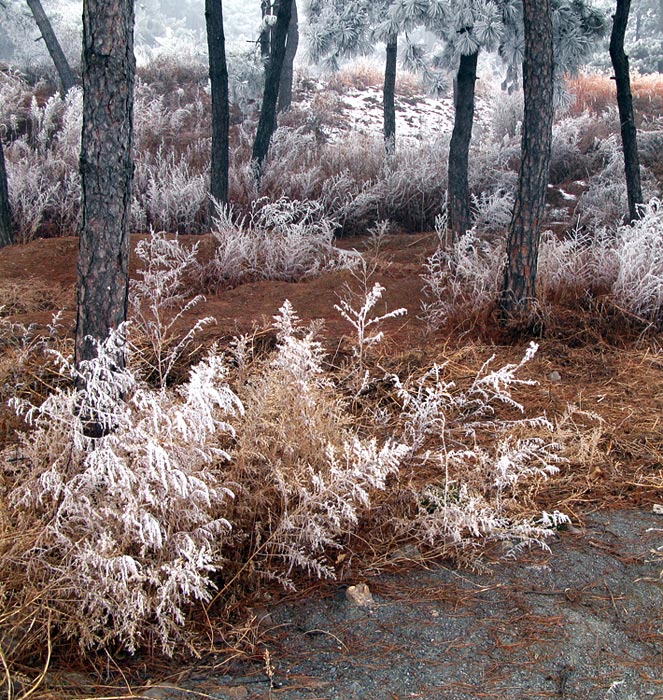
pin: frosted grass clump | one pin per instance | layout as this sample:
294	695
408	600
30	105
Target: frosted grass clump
297	439
131	524
639	251
463	278
583	259
281	240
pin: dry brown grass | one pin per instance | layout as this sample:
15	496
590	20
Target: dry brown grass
596	93
364	74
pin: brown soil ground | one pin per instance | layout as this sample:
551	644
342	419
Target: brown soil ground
583	622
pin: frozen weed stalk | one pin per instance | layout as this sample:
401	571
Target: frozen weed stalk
159	301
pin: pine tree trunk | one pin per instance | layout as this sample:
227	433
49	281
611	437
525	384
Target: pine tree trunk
264	40
65	73
106	170
288	72
519	290
459	148
6	228
625	105
389	96
218	71
267	121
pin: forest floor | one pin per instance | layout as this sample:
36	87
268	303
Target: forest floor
583	621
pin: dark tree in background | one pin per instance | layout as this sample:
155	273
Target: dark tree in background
106	170
625	105
265	38
519	290
267	121
6	228
389	95
218	72
460	219
65	73
288	71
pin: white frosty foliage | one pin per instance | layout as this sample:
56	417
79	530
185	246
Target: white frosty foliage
364	319
326	506
281	240
639	283
159	300
465	277
133	524
470	500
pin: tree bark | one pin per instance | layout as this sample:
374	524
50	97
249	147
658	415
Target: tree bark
267	121
264	40
625	106
66	75
459	148
288	72
389	96
6	228
218	72
519	288
106	170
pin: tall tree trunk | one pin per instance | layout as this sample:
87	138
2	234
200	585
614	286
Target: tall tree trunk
459	148
519	289
218	72
625	105
288	72
389	96
267	121
65	73
6	228
106	170
264	40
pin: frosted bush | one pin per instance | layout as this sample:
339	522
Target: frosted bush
464	278
409	189
297	441
638	287
492	211
42	167
169	194
478	484
281	240
580	260
131	524
567	161
364	319
605	203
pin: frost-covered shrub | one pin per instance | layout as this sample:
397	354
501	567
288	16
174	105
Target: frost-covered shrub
169	194
282	240
493	166
639	249
478	484
42	165
462	280
297	441
492	212
131	524
567	160
605	203
409	190
582	260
